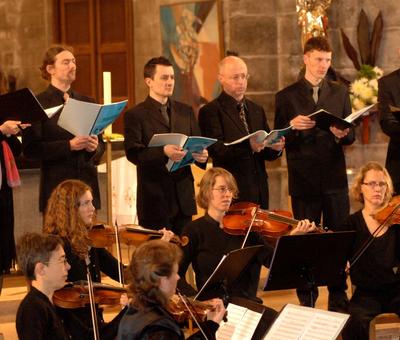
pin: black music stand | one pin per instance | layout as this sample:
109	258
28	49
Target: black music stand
310	260
227	271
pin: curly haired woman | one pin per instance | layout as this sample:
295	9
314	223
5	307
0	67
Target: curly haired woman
69	214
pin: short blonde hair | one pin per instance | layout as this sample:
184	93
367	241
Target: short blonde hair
355	190
208	181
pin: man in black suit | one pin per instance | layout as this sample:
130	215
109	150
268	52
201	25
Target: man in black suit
164	199
62	155
316	163
232	116
389	94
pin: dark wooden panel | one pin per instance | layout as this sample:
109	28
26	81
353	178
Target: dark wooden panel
77	23
82	83
111	21
116	64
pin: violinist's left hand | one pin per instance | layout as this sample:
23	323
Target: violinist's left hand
303	227
200	157
217	312
124	300
167	235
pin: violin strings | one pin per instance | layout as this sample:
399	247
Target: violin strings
191	312
371	239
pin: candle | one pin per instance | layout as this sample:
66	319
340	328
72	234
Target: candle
107	97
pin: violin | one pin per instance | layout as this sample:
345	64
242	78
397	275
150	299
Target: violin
104	236
77	295
242	215
180	313
390	214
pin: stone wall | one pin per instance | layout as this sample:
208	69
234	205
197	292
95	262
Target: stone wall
263	32
25	32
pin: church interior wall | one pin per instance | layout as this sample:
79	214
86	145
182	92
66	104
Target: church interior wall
264	33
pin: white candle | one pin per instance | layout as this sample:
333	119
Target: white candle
107	97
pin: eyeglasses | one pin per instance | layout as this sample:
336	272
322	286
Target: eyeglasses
223	190
241	76
374	184
64	261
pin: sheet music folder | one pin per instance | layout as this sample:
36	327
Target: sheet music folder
324	120
316	259
21	105
229	269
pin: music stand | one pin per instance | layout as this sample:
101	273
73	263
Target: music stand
310	260
228	270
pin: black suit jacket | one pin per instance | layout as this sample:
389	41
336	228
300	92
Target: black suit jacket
160	194
389	94
315	158
220	119
49	143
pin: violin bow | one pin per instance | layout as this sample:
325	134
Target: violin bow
186	303
119	256
255	209
91	299
371	239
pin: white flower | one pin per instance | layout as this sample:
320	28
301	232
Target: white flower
364	91
374	84
357	87
378	72
357	104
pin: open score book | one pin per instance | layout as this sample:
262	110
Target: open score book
83	118
188	143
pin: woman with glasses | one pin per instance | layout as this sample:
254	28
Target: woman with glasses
208	242
376	272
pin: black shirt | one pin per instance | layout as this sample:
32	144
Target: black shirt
207	244
37	318
378	268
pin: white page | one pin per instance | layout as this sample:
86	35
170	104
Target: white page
305	323
78	117
241	324
364	111
161	139
51	111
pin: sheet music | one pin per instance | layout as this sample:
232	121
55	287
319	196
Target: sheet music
241	325
305	323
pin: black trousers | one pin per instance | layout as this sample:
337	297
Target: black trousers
365	305
334	209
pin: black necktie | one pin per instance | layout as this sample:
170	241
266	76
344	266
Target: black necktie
242	116
164	113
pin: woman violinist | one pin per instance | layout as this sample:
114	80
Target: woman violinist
154	273
375	272
69	214
208	242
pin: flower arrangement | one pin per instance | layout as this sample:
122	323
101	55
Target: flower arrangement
364	89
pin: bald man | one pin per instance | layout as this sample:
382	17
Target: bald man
230	117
